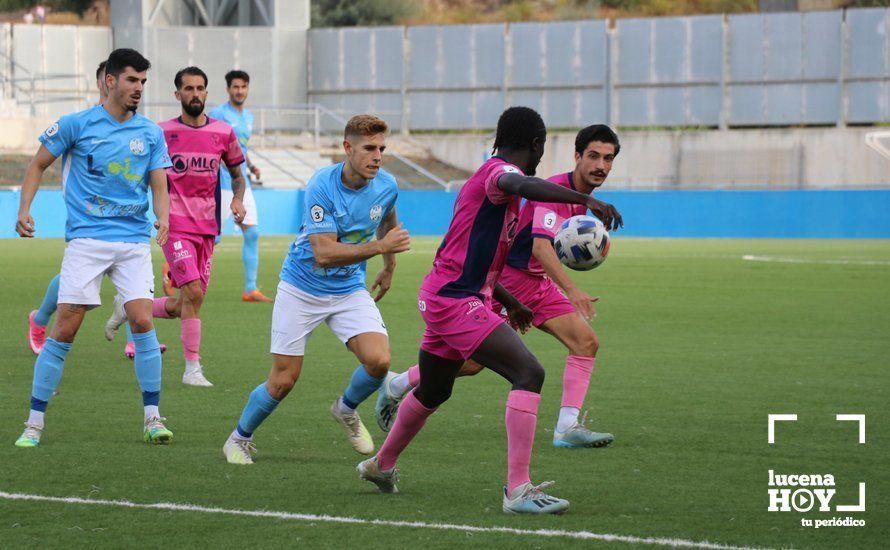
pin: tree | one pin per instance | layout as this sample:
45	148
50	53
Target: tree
351	13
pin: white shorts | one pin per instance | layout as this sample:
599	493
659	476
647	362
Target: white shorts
250	218
128	265
296	314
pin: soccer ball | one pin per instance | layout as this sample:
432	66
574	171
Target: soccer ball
582	243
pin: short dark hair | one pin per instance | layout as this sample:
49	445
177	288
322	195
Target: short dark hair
518	127
596	132
192	71
122	58
100	69
235	73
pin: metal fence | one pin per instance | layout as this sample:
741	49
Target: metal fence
776	69
50	70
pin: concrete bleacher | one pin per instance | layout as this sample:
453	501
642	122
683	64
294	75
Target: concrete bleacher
284	168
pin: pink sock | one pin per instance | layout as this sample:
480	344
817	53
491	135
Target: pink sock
576	379
414	376
159	308
191	339
521	418
411	418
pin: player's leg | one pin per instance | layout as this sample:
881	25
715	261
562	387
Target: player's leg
357	322
435	386
239	448
48	369
133	277
130	348
250	250
192	297
397	385
148	366
504	352
579	337
39	318
83	265
294	316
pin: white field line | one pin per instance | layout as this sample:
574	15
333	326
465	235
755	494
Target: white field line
553	533
789	260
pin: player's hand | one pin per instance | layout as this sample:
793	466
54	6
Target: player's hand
163	231
383	282
397	240
254	169
582	302
607	213
24	225
520	317
238	210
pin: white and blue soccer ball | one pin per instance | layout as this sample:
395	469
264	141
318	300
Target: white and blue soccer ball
582	243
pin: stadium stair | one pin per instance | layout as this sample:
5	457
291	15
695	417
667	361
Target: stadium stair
287	167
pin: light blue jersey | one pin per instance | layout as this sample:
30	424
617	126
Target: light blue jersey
331	207
105	173
242	122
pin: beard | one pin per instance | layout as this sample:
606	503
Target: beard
193	108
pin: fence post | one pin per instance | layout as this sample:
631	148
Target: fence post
317	136
406	76
508	63
842	74
607	85
724	76
612	74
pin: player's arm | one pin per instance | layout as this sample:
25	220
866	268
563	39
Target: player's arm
542	250
238	186
520	316
42	160
383	281
254	169
329	252
160	200
536	189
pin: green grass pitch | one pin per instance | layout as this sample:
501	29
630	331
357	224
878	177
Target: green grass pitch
698	346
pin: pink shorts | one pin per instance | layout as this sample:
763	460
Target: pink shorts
540	294
455	326
190	257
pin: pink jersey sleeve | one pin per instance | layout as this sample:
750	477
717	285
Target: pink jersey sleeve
233	156
492	191
545	220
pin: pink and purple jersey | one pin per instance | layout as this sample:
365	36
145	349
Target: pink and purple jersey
541	220
473	252
193	180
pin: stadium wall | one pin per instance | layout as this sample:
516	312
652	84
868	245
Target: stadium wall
834	214
742	70
771	158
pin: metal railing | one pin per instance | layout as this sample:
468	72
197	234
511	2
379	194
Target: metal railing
31	88
272	123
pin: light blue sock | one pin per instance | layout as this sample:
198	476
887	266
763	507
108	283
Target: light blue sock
361	385
250	254
49	304
148	366
48	369
259	405
129	332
